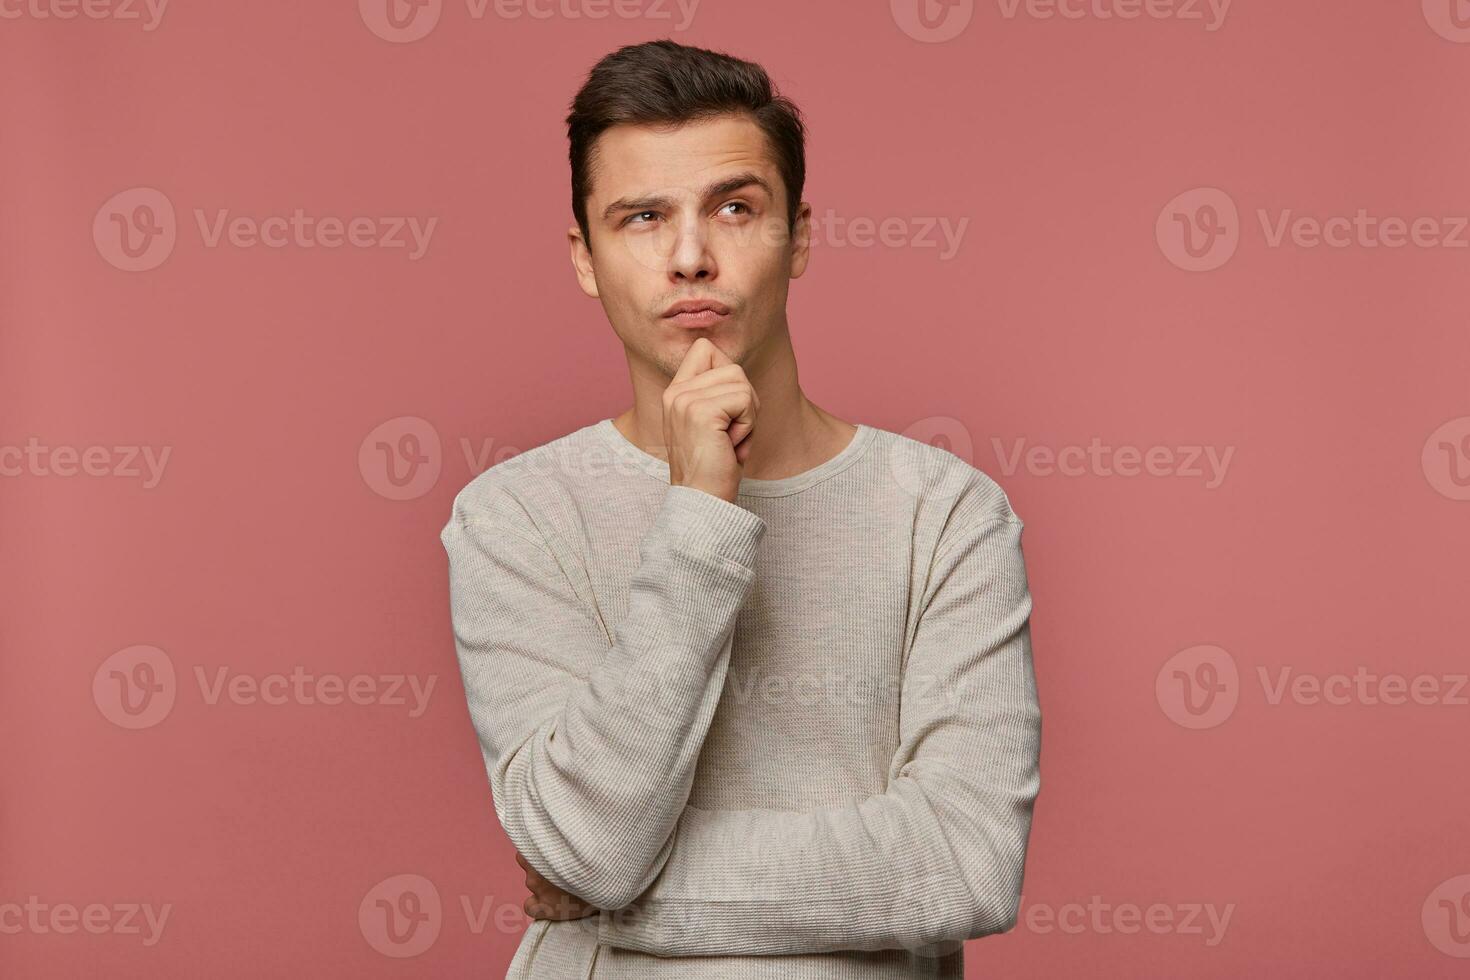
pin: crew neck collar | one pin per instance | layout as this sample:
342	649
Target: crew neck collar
749	487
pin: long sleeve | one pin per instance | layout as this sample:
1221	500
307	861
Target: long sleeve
936	859
591	745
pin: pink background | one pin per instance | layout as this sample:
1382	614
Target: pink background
1332	834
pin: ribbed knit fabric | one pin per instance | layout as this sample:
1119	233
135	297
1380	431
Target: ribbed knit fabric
792	737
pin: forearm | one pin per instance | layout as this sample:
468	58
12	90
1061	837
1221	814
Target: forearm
898	870
591	793
935	859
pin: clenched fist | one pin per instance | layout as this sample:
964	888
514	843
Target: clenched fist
709	414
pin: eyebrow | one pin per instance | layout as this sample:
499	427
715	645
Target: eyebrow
718	189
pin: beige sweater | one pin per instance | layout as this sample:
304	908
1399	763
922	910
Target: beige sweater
796	737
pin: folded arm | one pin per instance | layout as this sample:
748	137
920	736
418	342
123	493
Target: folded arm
590	742
936	859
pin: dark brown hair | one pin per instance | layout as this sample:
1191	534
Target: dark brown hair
663	82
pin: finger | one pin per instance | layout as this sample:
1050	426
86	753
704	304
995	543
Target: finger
697	360
705	402
692	398
533	878
701	357
716	375
718	358
733	404
729	374
563	906
552	903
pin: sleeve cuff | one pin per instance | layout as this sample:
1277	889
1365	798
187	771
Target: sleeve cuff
699	521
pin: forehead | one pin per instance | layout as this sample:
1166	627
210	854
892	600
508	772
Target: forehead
631	160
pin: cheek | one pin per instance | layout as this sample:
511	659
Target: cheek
765	276
620	282
750	258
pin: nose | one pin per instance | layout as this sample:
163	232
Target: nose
691	259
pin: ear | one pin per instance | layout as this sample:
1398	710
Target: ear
801	239
582	261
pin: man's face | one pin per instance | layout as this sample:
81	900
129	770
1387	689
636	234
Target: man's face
694	213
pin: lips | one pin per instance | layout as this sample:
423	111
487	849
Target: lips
690	306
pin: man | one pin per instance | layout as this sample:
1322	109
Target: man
753	684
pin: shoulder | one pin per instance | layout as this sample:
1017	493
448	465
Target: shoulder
525	491
953	491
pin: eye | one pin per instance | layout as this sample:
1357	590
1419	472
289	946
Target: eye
737	204
640	214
